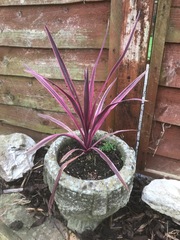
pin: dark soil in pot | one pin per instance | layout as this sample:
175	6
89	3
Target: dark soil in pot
136	221
91	166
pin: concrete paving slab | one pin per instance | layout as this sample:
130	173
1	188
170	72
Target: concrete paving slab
6	233
13	207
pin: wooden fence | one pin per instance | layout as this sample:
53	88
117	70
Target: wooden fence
78	30
159	153
78	27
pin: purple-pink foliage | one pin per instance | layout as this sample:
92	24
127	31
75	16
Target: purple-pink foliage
89	118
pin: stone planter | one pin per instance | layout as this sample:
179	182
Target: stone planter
85	203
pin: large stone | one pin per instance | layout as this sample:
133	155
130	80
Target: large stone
14	161
13	207
6	233
163	196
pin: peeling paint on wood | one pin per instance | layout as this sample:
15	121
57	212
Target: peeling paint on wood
27	92
138	46
113	56
23	41
8	129
134	62
12	62
28	118
42	2
71	26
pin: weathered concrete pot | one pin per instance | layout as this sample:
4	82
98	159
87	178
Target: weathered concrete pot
85	203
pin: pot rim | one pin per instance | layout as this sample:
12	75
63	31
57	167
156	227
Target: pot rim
128	156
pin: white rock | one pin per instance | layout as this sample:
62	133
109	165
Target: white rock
163	196
13	158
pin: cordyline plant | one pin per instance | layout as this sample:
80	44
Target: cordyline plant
91	116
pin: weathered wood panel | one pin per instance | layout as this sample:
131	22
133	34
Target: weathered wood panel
78	29
162	166
85	25
175	3
165	140
170	73
173	31
160	137
42	2
133	63
167	108
114	32
28	118
127	116
162	19
8	129
27	92
12	62
72	26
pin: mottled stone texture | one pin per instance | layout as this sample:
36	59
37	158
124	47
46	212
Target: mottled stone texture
6	233
163	195
85	203
13	207
14	161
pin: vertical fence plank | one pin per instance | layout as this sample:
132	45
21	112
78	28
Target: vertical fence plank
162	18
126	115
114	39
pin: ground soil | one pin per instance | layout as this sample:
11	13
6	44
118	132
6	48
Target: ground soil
136	221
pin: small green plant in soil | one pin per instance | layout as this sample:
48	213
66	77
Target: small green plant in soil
108	147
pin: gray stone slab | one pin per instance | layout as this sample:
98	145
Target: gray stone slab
13	207
6	233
